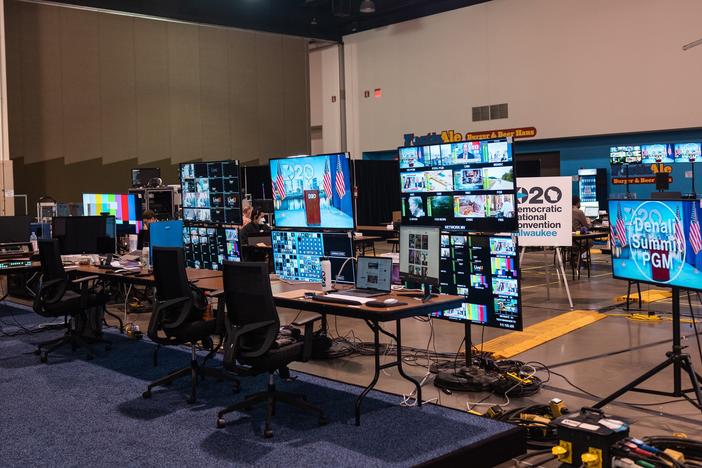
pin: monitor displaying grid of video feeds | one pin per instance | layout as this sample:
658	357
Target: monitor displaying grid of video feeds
485	270
208	246
211	192
297	255
459	186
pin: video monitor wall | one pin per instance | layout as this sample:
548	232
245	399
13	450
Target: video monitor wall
208	246
297	255
211	192
688	152
485	270
657	241
313	192
657	153
126	208
666	153
459	186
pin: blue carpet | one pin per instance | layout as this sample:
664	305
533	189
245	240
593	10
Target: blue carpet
90	413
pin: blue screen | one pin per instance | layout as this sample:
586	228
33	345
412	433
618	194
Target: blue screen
313	191
657	241
165	234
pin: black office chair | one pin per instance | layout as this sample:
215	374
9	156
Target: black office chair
253	345
177	319
59	296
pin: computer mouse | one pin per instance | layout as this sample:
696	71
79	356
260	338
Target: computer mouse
391	301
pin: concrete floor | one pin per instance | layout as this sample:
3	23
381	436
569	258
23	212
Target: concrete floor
597	376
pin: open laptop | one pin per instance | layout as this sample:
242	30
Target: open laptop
373	277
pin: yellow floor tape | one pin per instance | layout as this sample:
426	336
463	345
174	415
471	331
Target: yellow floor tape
652	295
511	344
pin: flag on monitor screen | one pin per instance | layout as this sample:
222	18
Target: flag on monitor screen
695	235
621	228
279	184
340	184
327	181
679	236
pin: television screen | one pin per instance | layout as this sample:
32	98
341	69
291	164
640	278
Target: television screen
142	176
15	228
688	152
419	254
126	208
459	186
85	234
207	246
313	192
211	192
651	154
657	241
485	270
165	234
625	155
297	255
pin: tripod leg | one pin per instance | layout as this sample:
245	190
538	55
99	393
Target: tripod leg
687	365
631	386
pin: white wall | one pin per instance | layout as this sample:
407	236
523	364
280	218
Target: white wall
567	67
325	99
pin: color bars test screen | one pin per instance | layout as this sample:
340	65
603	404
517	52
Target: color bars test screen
125	208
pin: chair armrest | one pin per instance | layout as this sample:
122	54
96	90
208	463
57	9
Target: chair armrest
44	287
157	317
84	279
231	347
305	321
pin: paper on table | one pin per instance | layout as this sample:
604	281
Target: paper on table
362	300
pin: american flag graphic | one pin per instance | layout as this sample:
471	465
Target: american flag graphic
340	184
279	184
679	236
695	235
621	229
327	181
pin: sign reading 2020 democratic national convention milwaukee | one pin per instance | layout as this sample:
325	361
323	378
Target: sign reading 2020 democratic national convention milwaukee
657	242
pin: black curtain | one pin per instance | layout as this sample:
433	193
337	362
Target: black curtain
378	185
258	181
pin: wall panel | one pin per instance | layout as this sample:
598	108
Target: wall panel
214	93
243	95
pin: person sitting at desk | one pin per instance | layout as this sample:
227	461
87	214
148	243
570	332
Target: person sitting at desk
256	226
144	238
246	213
579	219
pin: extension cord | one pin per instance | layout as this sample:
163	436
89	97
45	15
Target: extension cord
645	317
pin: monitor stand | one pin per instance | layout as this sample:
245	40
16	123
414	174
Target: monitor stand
424	295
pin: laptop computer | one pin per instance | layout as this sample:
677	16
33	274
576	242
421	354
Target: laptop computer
373	277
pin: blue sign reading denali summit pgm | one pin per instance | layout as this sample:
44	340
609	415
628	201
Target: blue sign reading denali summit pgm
657	242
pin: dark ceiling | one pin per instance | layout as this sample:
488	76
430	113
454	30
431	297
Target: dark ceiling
321	19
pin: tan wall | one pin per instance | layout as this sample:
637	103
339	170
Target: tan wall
105	88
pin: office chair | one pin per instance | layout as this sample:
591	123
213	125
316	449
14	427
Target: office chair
57	296
177	319
253	345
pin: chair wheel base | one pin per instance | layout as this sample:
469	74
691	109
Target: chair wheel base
191	401
37	352
323	421
268	433
221	423
43	357
146	395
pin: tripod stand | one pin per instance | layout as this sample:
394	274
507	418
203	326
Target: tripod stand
679	360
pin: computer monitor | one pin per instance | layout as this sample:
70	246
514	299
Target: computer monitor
85	234
15	228
459	186
485	270
126	208
625	155
209	246
688	152
374	273
42	230
657	153
297	255
313	192
419	254
165	234
211	192
142	175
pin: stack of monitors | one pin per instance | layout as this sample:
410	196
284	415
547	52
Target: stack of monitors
459	186
297	255
656	153
211	192
207	246
484	269
313	192
126	208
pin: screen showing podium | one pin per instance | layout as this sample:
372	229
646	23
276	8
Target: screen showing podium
313	192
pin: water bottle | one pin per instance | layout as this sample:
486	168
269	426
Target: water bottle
34	241
326	275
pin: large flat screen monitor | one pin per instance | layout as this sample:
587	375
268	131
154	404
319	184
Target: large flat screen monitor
211	192
85	234
688	152
208	246
297	255
625	154
657	153
15	228
165	234
126	208
142	175
459	186
313	192
485	270
657	241
419	254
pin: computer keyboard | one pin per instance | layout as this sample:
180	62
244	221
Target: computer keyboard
335	300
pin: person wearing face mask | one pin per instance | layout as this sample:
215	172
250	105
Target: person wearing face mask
256	226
